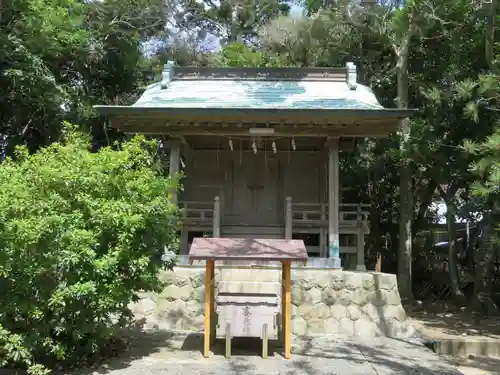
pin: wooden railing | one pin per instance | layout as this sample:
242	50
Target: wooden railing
312	213
209	213
198	212
203	213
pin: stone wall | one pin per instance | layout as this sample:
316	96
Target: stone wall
324	301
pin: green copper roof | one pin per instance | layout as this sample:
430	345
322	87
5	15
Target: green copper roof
257	88
273	92
258	94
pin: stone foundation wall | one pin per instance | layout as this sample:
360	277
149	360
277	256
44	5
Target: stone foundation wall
324	301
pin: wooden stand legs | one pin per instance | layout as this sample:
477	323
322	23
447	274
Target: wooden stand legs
264	341
286	309
286	326
228	340
209	307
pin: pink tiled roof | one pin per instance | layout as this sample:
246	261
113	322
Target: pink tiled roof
247	249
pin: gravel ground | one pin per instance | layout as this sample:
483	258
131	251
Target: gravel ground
174	354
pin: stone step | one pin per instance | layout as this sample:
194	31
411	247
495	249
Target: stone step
467	346
240	274
252	287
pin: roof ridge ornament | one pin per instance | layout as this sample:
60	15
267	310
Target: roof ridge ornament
167	74
352	82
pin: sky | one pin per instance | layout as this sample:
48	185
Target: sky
211	42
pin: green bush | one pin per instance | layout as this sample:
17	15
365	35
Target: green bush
81	234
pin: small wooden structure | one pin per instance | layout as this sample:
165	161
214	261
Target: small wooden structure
282	250
260	150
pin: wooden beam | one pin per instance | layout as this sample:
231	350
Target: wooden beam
347	145
209	271
332	131
344	144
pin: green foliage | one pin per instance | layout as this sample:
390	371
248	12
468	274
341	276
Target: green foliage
229	21
81	234
39	38
487	166
239	55
60	57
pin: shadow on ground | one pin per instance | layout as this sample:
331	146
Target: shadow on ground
484	364
383	355
178	353
440	318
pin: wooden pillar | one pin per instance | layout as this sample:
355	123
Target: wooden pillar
216	218
184	241
288	218
209	271
286	312
333	202
323	240
174	167
213	321
360	242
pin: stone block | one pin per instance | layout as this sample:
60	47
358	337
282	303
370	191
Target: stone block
313	295
337	280
197	280
197	323
329	296
321	280
199	294
316	327
359	296
332	326
305	310
306	284
323	301
397	329
320	311
144	307
394	312
171	310
368	282
299	326
187	272
194	307
298	295
391	297
353	280
173	292
366	328
375	314
354	312
338	311
182	281
376	298
385	281
344	297
166	277
346	327
185	323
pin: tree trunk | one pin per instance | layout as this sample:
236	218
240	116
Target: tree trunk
483	269
490	36
406	191
425	202
375	232
456	291
374	194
